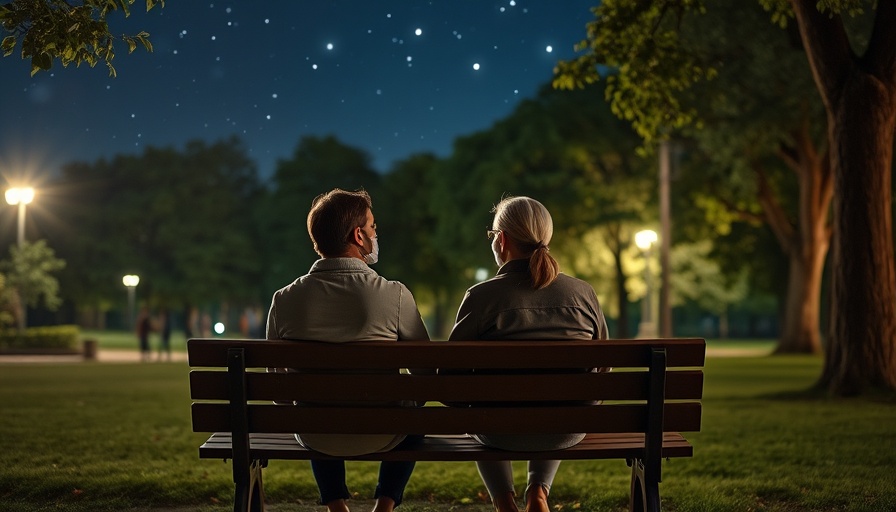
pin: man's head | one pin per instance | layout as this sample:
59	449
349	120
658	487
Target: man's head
341	222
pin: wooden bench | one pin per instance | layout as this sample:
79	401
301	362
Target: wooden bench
652	394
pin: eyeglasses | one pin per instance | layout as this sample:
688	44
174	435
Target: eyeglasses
491	233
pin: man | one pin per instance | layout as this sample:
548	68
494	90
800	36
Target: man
342	299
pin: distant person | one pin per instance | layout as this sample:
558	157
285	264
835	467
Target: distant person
144	328
165	334
342	299
528	299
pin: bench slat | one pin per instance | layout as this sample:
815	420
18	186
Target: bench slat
212	385
452	448
683	352
678	417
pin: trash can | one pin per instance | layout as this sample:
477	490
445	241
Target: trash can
90	349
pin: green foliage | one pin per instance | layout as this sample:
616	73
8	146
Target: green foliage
53	337
29	271
406	222
318	165
181	220
640	42
57	29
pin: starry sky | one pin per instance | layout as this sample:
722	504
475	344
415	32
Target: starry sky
391	77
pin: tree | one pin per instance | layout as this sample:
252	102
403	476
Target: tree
688	71
182	220
567	150
858	90
56	29
29	273
406	222
859	94
318	164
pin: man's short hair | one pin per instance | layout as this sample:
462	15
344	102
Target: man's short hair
333	217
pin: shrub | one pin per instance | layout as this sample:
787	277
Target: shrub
57	337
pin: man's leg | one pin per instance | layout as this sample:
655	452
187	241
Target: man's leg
394	476
330	478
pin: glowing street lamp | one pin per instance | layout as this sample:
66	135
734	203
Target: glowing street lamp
131	281
20	196
645	240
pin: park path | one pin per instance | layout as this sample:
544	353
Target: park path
102	356
133	356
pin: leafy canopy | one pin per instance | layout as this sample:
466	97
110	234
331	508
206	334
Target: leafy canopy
73	32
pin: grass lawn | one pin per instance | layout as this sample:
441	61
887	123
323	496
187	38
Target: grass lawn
88	436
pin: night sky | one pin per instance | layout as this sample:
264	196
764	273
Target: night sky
392	77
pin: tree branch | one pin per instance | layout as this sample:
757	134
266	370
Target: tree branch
881	53
774	213
827	46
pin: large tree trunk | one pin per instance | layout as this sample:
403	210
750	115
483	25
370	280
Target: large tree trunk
800	330
859	94
806	247
862	349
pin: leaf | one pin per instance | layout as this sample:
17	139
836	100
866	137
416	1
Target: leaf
41	61
8	45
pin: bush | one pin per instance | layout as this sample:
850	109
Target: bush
55	338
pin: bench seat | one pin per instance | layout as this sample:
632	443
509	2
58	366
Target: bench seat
451	448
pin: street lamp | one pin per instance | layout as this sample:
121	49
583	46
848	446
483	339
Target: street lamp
131	281
20	196
645	240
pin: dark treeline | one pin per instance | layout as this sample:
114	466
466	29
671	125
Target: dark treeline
205	233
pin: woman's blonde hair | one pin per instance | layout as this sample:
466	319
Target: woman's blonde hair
528	223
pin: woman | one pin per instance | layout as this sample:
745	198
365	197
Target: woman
527	299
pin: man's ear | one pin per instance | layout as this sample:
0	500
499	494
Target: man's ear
358	236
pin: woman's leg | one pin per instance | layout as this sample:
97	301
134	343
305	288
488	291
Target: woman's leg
330	478
497	475
539	481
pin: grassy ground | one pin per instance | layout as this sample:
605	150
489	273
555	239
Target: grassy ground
117	437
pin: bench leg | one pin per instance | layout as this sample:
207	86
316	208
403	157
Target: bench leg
249	496
645	491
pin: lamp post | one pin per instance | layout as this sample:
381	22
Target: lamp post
645	240
20	196
131	281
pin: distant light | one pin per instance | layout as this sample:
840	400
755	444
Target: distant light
314	66
219	328
213	38
410	58
501	9
329	46
481	274
130	280
266	21
512	3
476	67
388	15
549	49
274	95
418	32
268	117
644	239
379	92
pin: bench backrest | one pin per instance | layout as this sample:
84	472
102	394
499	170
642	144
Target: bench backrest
655	386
